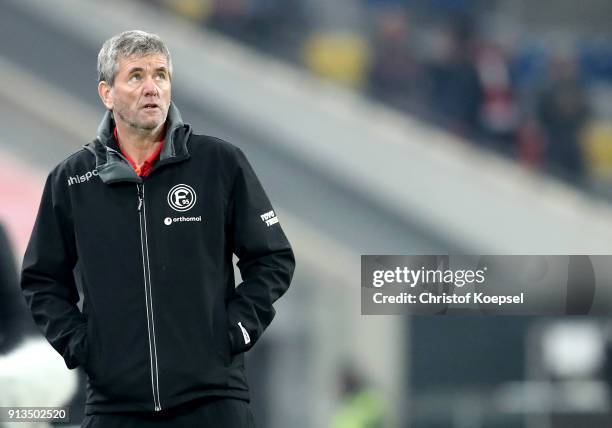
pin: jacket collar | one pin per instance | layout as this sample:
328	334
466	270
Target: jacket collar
113	167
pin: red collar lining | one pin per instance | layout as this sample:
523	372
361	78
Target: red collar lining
144	169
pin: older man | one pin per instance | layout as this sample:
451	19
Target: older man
146	218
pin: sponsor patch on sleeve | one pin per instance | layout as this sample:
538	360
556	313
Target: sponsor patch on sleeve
269	218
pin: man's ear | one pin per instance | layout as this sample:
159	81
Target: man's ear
104	91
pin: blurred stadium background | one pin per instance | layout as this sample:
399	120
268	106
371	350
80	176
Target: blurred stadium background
377	127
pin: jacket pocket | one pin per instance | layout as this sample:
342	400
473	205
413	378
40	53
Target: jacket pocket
222	341
240	339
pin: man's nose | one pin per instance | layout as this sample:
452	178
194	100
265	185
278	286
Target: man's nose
150	88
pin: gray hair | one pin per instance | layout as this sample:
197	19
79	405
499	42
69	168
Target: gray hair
128	43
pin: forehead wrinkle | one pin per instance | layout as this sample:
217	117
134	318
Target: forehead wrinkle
158	59
128	66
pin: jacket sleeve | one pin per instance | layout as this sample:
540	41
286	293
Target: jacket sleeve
266	261
47	279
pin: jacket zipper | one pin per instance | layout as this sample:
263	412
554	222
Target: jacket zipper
142	215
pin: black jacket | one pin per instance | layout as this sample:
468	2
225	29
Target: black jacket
162	321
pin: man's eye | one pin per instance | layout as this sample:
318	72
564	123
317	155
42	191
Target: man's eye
135	77
161	76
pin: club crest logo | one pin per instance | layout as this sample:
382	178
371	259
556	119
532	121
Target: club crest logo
181	197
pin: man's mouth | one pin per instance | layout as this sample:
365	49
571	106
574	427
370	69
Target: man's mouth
150	106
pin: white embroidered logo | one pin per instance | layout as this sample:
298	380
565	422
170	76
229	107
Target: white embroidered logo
245	334
78	179
170	220
269	218
181	197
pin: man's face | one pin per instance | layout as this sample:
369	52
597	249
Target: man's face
140	95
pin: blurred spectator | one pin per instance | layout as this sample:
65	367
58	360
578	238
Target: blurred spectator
456	92
230	17
275	26
360	406
563	112
498	111
395	76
